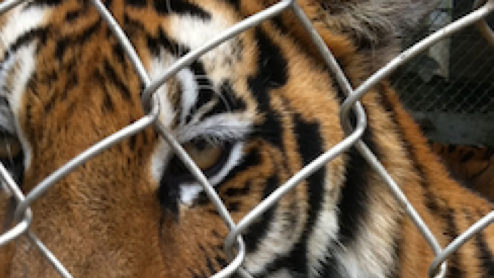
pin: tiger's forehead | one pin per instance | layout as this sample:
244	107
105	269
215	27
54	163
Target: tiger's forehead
49	53
186	25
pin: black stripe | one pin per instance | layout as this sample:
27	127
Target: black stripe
310	146
181	7
107	104
137	3
77	39
42	3
220	260
238	191
280	24
233	206
251	159
234	3
70	83
209	263
258	230
119	53
354	199
271	74
168	194
39	33
161	41
196	273
484	253
454	269
272	66
36	33
72	15
48	106
270	129
330	268
107	101
205	93
70	69
132	142
395	269
115	80
228	102
430	199
15	166
339	91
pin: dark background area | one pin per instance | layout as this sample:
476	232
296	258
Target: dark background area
450	88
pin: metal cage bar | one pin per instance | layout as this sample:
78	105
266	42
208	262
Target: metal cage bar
23	215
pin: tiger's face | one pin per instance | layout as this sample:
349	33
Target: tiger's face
250	112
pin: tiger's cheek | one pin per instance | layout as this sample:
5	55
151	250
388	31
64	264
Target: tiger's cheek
198	232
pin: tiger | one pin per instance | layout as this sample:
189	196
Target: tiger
471	165
251	113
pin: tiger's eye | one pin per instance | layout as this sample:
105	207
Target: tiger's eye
205	155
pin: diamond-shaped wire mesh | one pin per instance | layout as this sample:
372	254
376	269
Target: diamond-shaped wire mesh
454	80
233	243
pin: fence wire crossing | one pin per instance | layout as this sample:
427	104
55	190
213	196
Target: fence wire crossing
234	246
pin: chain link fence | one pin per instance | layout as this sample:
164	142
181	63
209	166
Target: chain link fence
234	246
452	83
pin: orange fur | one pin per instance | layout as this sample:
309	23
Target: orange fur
470	165
105	220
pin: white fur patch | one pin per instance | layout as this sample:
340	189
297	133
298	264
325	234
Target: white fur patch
324	233
16	71
20	22
280	238
220	127
20	72
157	68
372	252
189	90
167	113
194	32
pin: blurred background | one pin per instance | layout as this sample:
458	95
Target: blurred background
450	88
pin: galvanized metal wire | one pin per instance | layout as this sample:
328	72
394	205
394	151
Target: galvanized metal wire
234	246
484	28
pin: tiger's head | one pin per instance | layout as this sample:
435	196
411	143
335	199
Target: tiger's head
251	113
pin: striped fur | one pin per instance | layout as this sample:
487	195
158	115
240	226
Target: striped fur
471	165
252	113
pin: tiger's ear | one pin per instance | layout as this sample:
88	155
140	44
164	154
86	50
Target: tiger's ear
374	27
374	20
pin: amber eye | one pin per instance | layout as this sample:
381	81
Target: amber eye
209	157
215	159
205	155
